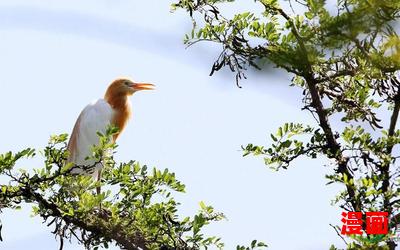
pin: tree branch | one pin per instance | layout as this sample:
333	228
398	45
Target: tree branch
393	120
385	170
337	74
316	103
129	242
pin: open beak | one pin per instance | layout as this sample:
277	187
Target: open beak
142	86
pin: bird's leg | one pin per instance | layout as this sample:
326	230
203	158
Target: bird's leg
98	189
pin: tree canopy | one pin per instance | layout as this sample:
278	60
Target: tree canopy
346	59
135	210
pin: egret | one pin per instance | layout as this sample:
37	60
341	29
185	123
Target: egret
114	109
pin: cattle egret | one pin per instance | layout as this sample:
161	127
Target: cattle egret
114	109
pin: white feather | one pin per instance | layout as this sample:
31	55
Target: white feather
94	118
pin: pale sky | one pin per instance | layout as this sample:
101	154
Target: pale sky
57	56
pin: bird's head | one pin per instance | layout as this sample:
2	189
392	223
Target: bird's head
126	87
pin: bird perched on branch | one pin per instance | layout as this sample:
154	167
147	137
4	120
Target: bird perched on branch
114	109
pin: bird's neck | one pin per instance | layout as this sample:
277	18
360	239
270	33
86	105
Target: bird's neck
122	111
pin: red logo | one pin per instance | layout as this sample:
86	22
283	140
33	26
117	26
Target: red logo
352	223
376	223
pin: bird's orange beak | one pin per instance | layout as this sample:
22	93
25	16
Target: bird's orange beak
143	86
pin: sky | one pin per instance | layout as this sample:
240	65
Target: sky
58	56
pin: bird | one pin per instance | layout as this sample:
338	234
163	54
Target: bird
115	110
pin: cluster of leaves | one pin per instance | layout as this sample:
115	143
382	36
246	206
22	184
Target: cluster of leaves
134	210
285	148
346	61
254	245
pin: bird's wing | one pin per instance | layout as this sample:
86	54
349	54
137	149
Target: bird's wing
93	118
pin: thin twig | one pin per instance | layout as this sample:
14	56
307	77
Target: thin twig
337	232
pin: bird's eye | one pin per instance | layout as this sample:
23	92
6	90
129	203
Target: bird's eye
126	83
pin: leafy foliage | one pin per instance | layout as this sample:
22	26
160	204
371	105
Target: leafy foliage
346	61
285	149
135	209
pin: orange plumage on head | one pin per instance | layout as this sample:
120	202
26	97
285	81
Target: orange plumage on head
117	96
